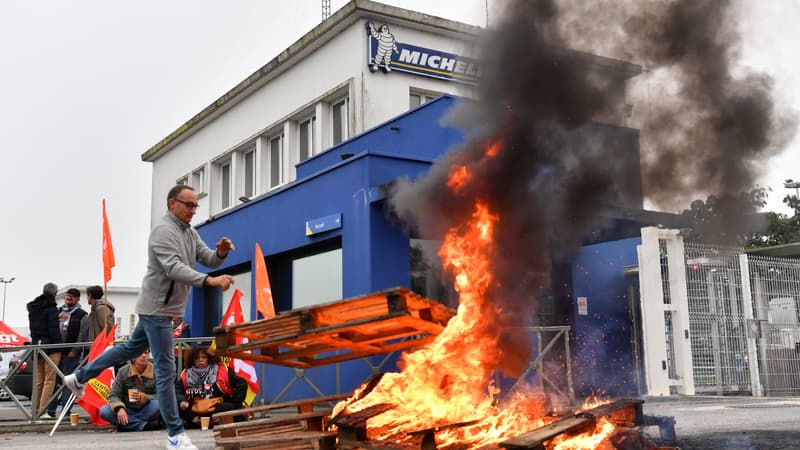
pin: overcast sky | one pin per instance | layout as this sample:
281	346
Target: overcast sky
87	86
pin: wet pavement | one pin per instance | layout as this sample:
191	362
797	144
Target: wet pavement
731	423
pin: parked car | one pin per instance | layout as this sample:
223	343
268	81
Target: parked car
21	383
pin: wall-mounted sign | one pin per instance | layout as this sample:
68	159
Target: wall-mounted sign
323	224
583	306
385	53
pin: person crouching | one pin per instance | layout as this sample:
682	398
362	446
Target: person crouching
132	403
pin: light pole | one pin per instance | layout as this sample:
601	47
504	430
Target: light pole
5	282
791	184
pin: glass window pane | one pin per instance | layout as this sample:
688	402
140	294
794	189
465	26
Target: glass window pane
225	170
249	173
414	100
305	141
275	162
317	279
339	122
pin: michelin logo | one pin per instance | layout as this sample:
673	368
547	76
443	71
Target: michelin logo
387	54
386	44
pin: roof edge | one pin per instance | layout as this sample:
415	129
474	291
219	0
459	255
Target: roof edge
342	17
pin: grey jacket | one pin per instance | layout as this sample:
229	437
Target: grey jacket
173	250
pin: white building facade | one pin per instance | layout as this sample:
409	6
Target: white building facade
365	64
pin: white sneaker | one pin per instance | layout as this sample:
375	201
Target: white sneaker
71	381
180	441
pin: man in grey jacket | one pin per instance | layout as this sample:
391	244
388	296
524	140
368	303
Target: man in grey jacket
174	248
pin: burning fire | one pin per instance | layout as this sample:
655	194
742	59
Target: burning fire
449	381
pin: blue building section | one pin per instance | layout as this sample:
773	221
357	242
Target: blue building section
337	203
603	357
339	196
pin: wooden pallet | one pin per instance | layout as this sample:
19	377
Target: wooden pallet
379	323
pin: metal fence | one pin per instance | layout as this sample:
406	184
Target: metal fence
717	319
775	287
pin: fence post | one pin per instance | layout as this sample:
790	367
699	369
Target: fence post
747	301
652	306
682	342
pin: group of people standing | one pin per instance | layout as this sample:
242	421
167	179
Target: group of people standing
65	325
133	399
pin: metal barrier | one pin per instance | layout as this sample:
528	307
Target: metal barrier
39	351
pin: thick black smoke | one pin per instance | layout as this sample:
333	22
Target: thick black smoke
704	129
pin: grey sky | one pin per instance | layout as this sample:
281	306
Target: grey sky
88	86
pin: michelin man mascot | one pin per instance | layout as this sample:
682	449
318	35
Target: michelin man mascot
386	44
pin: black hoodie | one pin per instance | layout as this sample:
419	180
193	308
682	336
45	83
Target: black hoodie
43	320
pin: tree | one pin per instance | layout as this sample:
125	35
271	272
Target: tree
729	219
736	220
782	229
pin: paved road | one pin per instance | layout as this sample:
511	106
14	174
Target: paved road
730	423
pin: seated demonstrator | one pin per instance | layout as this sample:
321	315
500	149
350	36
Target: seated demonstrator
133	402
174	247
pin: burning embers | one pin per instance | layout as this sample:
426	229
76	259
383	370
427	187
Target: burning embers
444	396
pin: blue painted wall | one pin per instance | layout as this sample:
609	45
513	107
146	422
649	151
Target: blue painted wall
375	250
603	357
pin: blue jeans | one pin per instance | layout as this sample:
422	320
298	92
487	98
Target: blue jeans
154	332
66	366
137	418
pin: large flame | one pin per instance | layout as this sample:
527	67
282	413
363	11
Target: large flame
449	381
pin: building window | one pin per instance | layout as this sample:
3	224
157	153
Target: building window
225	184
183	180
199	180
417	98
307	138
317	278
427	277
340	122
275	147
249	160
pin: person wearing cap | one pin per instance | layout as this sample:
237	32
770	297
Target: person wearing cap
69	318
44	326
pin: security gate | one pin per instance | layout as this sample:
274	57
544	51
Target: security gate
707	328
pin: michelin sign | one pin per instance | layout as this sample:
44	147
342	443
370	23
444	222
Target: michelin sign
385	53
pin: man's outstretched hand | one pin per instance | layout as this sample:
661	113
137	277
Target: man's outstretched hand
224	246
223	281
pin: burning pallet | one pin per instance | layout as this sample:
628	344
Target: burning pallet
625	413
374	324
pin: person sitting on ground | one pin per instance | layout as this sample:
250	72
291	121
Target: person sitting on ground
132	402
205	377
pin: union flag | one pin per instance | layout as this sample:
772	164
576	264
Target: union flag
96	392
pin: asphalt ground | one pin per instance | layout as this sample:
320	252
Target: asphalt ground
730	423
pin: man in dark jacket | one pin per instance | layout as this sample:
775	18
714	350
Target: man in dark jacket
69	318
44	326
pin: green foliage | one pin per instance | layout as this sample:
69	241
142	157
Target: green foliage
782	229
735	220
730	219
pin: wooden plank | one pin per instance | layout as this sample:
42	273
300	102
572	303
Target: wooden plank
534	439
300	405
394	319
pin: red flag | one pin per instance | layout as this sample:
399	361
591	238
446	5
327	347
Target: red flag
245	369
108	248
264	303
96	393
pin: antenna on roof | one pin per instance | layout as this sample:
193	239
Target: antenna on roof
326	9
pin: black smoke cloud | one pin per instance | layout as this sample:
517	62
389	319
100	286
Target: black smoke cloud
705	127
